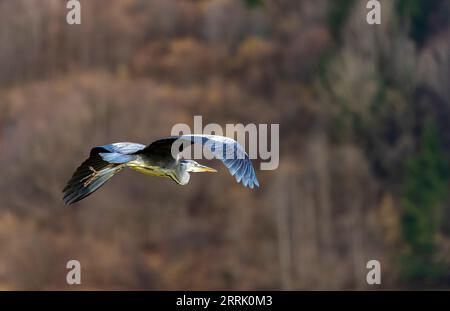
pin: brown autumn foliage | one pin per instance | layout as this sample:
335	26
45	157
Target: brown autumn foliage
350	111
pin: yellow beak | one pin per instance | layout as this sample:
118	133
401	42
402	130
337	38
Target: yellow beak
202	168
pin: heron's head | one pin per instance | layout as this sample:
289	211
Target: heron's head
194	167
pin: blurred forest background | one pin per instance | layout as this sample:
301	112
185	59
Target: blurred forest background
365	143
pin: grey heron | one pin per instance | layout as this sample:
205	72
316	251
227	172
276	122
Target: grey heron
157	159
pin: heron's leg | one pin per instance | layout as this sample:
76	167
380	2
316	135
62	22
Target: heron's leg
90	178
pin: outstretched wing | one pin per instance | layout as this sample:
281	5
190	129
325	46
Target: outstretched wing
118	153
103	163
124	148
229	151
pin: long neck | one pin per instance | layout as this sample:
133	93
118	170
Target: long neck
182	175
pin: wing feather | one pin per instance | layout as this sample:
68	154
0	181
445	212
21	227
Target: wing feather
231	153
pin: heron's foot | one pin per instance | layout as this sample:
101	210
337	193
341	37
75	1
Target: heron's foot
90	178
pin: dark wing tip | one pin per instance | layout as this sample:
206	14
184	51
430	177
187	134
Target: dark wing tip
73	193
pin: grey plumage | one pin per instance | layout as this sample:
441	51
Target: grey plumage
157	159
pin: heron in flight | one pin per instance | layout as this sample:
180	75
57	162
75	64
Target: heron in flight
157	159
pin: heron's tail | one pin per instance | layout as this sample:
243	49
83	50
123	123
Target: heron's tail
90	176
